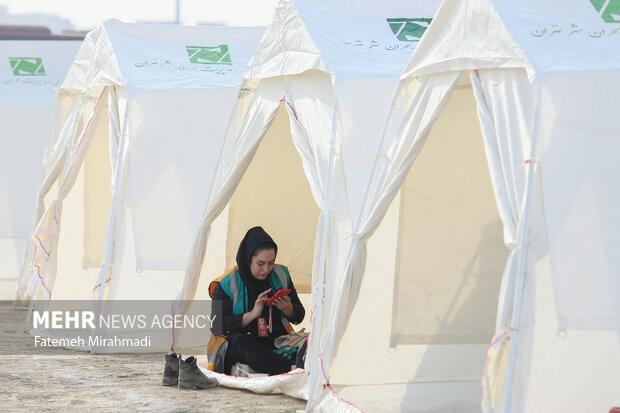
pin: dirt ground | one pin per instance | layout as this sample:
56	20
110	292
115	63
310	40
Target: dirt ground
32	380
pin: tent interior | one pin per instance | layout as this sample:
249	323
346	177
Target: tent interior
273	193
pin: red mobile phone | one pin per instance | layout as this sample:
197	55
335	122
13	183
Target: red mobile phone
278	294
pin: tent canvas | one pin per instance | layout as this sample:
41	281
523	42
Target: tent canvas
332	70
545	77
146	106
30	73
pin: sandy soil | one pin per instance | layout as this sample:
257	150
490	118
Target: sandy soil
64	380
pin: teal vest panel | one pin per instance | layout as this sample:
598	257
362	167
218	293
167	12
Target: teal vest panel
233	286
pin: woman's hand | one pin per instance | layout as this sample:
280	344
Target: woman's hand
259	304
285	305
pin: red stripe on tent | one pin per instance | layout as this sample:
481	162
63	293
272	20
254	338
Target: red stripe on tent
495	342
344	400
88	124
323	368
289	105
42	282
328	386
42	247
99	285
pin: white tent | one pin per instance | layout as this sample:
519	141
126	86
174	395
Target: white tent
146	106
324	78
30	73
545	76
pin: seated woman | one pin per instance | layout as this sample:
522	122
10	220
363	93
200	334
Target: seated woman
245	328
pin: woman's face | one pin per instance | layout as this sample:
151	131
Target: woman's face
262	264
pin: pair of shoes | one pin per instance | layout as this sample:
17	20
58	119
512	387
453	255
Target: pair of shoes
185	373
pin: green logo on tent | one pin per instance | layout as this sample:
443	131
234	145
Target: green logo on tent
609	10
27	66
209	55
409	30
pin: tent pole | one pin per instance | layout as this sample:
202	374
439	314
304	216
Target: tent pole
521	269
112	220
320	292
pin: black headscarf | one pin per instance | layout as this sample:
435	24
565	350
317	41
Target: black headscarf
254	238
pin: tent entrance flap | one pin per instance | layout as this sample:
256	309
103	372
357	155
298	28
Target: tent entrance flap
450	252
274	193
